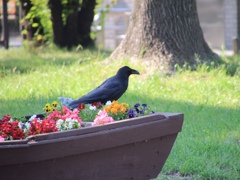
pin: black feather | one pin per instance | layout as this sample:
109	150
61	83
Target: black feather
111	89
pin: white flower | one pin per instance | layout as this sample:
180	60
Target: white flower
68	119
20	125
59	124
93	108
108	103
70	123
27	126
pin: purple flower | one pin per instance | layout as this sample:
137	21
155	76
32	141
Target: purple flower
141	111
136	105
131	113
144	105
137	110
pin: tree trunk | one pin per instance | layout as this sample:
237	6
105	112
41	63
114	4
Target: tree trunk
78	23
167	32
85	19
71	24
57	22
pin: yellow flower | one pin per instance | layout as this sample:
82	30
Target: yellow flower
125	105
48	109
47	105
123	109
55	104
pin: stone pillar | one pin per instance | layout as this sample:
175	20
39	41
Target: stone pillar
230	23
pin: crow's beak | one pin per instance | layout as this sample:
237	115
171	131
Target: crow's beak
135	71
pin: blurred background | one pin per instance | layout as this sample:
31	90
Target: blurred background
218	19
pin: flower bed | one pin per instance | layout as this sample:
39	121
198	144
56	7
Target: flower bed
61	118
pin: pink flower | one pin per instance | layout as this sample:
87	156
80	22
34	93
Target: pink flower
102	118
2	139
55	115
65	114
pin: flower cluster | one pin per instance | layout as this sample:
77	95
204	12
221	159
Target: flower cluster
38	126
67	124
116	110
88	112
9	129
61	118
56	121
139	110
49	108
64	119
102	118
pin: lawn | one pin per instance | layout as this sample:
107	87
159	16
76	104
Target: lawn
208	146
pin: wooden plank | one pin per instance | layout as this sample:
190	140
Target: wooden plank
143	160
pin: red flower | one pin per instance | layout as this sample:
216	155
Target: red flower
36	127
97	104
6	118
94	104
55	115
81	106
48	125
10	130
42	126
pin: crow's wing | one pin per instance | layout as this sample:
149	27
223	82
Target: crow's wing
111	89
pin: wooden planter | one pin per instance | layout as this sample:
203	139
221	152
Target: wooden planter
129	149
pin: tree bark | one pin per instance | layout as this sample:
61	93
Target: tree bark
85	19
78	23
166	32
57	22
71	24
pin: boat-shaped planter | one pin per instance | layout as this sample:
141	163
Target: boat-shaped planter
131	149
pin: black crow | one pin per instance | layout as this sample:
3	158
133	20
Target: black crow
111	89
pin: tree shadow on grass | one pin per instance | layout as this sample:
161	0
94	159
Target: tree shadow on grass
16	66
32	62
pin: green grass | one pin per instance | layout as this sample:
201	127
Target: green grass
208	146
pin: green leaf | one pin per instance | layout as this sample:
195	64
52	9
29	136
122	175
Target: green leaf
24	32
28	16
33	8
35	25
